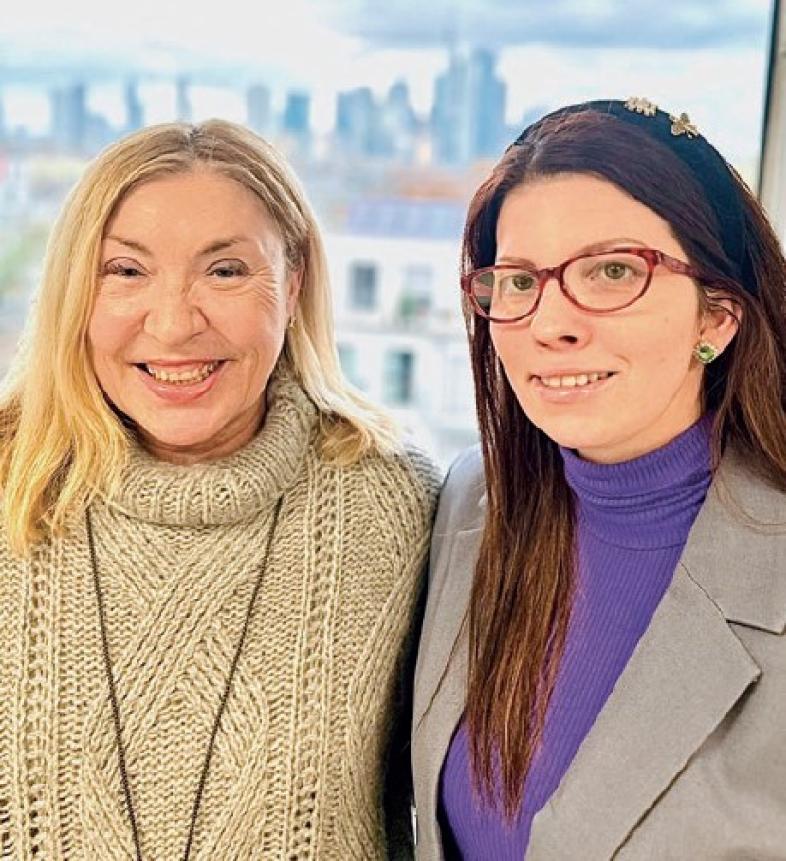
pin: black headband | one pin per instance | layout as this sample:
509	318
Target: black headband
705	163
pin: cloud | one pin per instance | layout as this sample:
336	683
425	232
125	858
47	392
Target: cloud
671	24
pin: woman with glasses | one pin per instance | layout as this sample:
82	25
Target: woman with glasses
602	667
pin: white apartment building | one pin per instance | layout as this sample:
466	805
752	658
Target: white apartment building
395	278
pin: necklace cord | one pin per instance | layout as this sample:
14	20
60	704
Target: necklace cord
121	754
121	751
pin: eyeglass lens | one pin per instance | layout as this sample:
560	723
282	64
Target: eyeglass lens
600	282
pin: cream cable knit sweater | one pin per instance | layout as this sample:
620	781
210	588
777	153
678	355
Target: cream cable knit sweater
298	769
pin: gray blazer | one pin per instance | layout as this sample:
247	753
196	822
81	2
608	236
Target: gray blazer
687	759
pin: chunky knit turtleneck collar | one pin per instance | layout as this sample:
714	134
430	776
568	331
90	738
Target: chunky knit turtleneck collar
233	488
650	501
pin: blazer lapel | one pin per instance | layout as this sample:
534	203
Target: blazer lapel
687	672
440	681
443	646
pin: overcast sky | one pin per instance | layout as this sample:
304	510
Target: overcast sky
703	56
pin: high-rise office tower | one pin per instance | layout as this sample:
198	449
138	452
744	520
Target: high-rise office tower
356	120
258	115
468	115
135	115
183	110
296	115
69	117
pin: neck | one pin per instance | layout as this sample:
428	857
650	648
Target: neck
649	501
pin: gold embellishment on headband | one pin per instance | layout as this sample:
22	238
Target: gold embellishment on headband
641	106
682	125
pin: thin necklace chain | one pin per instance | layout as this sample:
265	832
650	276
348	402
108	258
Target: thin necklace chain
121	749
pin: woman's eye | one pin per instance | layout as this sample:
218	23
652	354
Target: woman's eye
616	271
123	270
520	282
229	270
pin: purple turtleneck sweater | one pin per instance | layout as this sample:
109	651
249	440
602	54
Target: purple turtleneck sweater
633	519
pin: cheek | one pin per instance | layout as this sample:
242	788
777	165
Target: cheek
255	325
110	330
662	345
510	344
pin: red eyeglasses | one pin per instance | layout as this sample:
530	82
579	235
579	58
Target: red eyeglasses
601	282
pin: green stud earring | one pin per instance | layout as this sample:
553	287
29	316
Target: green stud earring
706	352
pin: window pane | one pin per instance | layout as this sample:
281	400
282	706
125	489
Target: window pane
363	287
399	377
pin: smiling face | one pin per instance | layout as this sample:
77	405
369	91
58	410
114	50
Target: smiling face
193	300
648	385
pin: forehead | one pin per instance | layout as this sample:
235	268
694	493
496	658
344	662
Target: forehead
557	216
190	206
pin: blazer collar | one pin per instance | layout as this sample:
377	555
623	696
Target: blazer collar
688	670
736	551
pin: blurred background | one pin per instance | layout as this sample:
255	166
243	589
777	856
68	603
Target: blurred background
391	114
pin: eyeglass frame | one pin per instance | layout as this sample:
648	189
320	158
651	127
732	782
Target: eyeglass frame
652	256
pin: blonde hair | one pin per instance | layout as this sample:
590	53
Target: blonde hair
61	440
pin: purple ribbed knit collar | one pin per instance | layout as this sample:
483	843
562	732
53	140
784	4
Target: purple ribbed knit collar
650	501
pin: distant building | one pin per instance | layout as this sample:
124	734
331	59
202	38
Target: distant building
258	111
69	117
367	127
296	114
356	121
468	114
135	115
400	121
399	330
183	109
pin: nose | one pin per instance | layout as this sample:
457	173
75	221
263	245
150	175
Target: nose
557	322
174	317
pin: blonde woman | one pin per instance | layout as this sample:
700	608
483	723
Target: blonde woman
211	547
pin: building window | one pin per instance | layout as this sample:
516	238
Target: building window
415	300
399	379
363	287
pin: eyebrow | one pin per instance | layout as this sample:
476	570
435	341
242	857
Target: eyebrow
212	248
603	245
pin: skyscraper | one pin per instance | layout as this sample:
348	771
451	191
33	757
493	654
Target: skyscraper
468	115
355	120
399	121
69	117
487	96
258	113
183	110
135	116
296	114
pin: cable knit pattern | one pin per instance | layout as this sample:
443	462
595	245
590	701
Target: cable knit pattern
299	765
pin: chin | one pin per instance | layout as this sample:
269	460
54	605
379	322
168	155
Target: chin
577	432
177	437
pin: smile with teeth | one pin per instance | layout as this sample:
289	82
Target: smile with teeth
190	376
574	380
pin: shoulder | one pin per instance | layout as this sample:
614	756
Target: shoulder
743	489
736	549
463	494
401	487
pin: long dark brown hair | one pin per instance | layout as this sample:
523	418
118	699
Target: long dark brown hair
521	596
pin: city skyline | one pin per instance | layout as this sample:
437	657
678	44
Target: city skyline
466	121
703	56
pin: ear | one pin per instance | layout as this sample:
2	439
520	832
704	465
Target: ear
294	283
720	320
